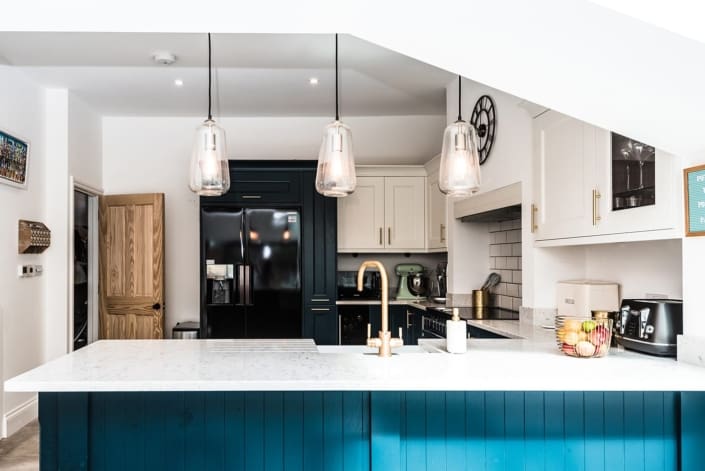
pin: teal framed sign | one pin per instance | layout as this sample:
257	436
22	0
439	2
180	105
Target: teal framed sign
694	188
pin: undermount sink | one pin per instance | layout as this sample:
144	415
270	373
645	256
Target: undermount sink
406	349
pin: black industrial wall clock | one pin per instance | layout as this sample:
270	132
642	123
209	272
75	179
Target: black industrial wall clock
484	119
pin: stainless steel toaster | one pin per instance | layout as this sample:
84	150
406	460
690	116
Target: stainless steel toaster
649	325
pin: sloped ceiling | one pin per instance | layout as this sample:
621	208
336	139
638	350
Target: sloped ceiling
571	55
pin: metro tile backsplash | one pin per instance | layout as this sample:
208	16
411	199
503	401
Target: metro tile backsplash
505	259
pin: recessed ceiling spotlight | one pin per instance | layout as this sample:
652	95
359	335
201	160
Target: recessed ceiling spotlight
313	81
164	57
179	83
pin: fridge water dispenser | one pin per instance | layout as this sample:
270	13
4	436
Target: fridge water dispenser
219	279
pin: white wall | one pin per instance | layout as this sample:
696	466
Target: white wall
509	162
85	143
641	268
22	304
152	155
58	197
34	311
693	277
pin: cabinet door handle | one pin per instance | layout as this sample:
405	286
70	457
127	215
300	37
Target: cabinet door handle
596	207
340	329
326	309
389	236
313	300
443	232
534	209
381	240
251	197
408	320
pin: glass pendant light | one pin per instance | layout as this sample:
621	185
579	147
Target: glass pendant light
210	174
335	175
459	174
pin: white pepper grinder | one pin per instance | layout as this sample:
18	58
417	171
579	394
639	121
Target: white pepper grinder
456	334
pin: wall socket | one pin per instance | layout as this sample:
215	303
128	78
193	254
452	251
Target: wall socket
27	271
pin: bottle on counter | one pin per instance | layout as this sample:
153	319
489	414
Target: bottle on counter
456	334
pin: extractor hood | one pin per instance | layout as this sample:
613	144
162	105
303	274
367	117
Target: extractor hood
502	204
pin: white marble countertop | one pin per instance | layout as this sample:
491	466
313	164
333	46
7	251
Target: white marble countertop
231	365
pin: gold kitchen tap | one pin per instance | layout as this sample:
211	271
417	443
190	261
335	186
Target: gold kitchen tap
384	341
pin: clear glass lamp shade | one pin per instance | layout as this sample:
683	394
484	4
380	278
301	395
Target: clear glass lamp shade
459	173
210	174
335	175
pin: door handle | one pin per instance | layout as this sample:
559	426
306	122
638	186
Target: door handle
381	240
340	333
248	285
534	209
596	207
443	230
389	236
324	309
408	320
251	197
241	284
156	306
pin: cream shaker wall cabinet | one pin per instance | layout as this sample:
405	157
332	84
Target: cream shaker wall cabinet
384	214
573	179
437	215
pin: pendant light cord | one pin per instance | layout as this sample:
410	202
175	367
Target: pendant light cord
337	114
210	115
460	91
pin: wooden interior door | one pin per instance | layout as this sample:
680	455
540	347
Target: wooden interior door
132	266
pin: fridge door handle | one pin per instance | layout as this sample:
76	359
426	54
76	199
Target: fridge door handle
240	285
248	286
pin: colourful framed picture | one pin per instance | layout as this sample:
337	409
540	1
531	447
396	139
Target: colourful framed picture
14	160
694	188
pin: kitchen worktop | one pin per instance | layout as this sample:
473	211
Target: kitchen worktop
234	365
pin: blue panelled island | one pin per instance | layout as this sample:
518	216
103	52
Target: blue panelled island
291	405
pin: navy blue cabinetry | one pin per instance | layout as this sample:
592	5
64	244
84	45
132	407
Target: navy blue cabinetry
401	316
320	264
288	186
279	184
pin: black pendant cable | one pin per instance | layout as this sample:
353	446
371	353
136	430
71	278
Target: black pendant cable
460	91
210	73
337	115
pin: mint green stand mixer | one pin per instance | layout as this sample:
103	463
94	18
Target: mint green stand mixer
406	271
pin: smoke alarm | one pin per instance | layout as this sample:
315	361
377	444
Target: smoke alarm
164	58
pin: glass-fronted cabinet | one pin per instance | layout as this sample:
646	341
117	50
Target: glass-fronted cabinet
633	173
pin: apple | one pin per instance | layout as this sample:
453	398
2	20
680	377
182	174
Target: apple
600	335
568	349
589	326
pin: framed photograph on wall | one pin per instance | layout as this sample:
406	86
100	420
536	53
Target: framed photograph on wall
14	160
694	189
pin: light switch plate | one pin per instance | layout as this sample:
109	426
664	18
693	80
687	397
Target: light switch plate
28	271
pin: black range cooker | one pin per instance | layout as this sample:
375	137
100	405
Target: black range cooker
434	319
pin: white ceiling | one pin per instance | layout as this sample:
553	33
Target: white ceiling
255	74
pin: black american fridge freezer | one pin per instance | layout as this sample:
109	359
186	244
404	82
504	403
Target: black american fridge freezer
262	250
